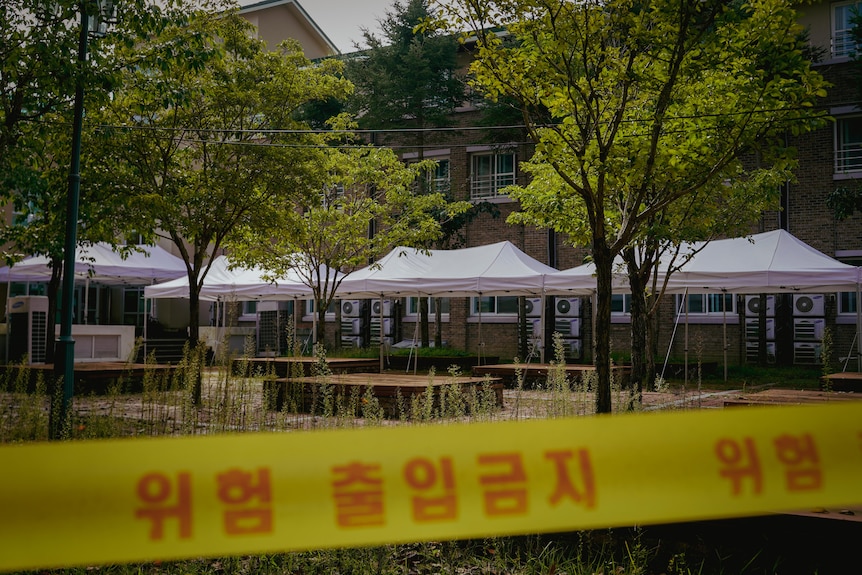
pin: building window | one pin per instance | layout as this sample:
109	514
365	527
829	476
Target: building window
135	307
249	308
436	179
847	303
848	144
706	304
330	311
490	174
843	45
494	305
413	305
621	304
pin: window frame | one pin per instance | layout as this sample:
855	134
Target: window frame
711	313
841	45
494	316
843	162
411	308
489	186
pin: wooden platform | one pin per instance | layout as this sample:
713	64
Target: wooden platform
789	397
845	381
96	377
533	371
387	388
285	366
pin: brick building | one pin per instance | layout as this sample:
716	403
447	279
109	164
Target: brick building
476	164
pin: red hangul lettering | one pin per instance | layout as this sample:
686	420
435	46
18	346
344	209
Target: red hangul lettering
799	455
565	486
238	489
506	493
741	461
422	475
156	493
358	493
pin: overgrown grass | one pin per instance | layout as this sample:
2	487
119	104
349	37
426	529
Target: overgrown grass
236	399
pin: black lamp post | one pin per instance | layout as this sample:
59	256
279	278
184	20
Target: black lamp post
64	350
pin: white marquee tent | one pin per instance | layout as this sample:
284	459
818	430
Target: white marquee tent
770	262
494	269
223	281
100	263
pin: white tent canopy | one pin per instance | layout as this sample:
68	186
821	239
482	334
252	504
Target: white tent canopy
495	269
100	263
223	281
770	262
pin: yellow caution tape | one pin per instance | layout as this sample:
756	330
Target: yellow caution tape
114	501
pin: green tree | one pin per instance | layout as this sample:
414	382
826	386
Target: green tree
204	142
38	57
725	208
204	137
39	69
408	79
362	185
634	107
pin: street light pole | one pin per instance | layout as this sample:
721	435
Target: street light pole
64	349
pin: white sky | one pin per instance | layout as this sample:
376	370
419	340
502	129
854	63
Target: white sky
342	20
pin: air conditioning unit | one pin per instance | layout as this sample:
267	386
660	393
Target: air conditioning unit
808	304
375	326
350	307
378	305
752	328
533	305
806	353
28	328
568	327
751	351
375	331
568	307
808	329
752	305
535	334
572	348
351	326
351	342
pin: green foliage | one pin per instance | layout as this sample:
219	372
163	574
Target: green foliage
844	201
641	115
330	228
204	141
407	76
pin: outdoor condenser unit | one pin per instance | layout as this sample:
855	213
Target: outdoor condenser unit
533	306
28	328
568	307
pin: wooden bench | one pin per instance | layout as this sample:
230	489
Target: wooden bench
96	376
388	389
287	366
789	397
530	372
845	381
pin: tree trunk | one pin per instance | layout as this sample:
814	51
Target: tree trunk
639	321
194	325
424	335
639	346
438	323
604	271
321	325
